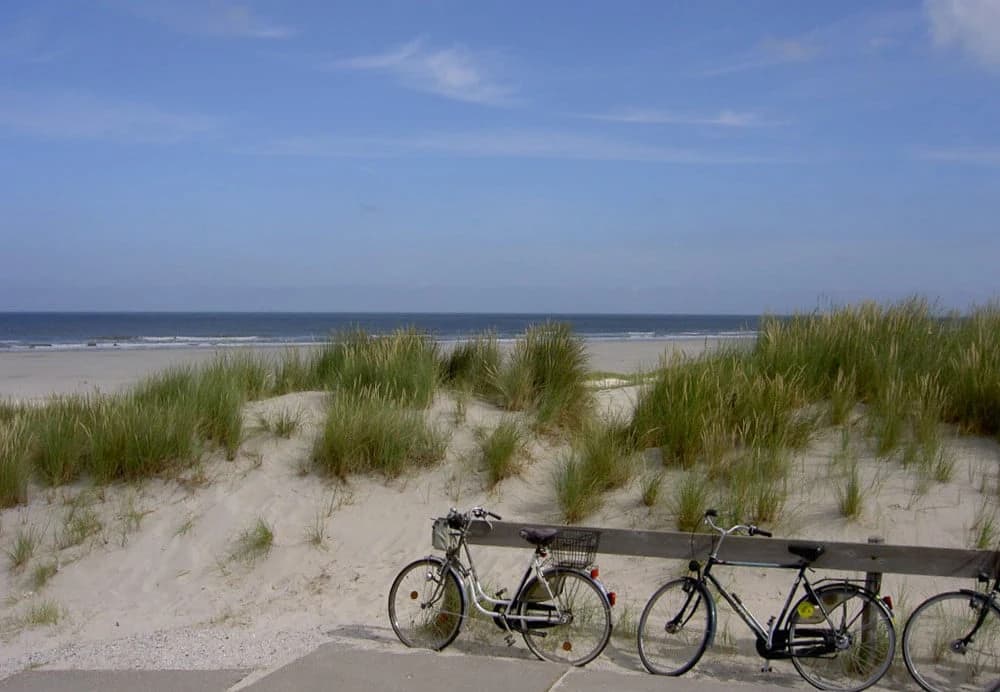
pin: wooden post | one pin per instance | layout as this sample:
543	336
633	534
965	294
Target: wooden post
873	583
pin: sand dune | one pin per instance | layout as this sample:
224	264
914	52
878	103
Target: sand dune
157	584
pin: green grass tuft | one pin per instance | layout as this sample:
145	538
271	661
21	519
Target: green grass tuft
23	549
15	469
42	574
369	433
473	365
577	493
503	449
41	614
253	543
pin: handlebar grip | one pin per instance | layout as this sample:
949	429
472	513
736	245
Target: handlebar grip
711	513
767	534
494	515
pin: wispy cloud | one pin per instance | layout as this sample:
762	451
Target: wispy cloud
80	115
453	73
524	144
981	156
973	25
771	52
855	34
213	18
725	118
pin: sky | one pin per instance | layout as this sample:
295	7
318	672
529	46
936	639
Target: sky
738	156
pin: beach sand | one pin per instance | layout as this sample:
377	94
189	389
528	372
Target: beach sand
37	374
156	587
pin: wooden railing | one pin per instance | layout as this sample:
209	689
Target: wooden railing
872	558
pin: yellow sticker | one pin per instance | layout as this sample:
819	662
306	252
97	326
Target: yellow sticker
806	609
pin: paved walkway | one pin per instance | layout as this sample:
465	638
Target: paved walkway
335	666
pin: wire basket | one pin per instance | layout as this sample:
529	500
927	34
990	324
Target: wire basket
575	548
443	537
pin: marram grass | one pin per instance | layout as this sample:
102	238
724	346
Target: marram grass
369	432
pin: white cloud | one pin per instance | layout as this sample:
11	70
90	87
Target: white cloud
526	144
212	18
973	25
79	115
452	72
725	118
983	156
771	52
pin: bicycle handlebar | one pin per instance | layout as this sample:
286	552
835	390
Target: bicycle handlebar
751	529
458	519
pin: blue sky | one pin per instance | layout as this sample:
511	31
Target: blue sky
737	156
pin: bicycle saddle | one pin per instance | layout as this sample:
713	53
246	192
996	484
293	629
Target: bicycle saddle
809	553
539	537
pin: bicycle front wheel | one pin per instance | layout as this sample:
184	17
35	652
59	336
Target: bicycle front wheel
851	648
426	604
943	648
676	627
568	617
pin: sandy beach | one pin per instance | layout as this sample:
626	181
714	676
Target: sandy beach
38	374
155	586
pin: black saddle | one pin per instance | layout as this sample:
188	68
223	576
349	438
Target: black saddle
539	537
809	553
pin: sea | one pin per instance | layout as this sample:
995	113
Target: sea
51	331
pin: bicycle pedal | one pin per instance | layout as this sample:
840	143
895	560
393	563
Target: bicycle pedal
767	669
509	639
500	593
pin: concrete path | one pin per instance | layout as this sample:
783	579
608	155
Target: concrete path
335	666
332	667
123	681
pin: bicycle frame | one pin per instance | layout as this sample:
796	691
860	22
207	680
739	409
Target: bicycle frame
990	598
766	644
764	635
469	578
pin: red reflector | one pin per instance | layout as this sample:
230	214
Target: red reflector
612	597
888	601
595	573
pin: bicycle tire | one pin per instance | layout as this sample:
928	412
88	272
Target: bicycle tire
867	649
676	627
931	643
427	604
578	641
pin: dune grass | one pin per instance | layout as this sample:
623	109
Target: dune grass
546	372
577	494
42	573
601	459
472	365
691	499
851	494
403	367
283	423
503	449
41	614
368	432
911	367
25	544
15	469
253	543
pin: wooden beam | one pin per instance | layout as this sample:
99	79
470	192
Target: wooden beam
850	557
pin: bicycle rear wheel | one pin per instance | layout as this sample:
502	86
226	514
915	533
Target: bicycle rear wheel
426	604
574	614
935	648
856	653
676	627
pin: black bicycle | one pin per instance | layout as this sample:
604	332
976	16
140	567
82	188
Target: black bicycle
560	607
952	640
838	635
